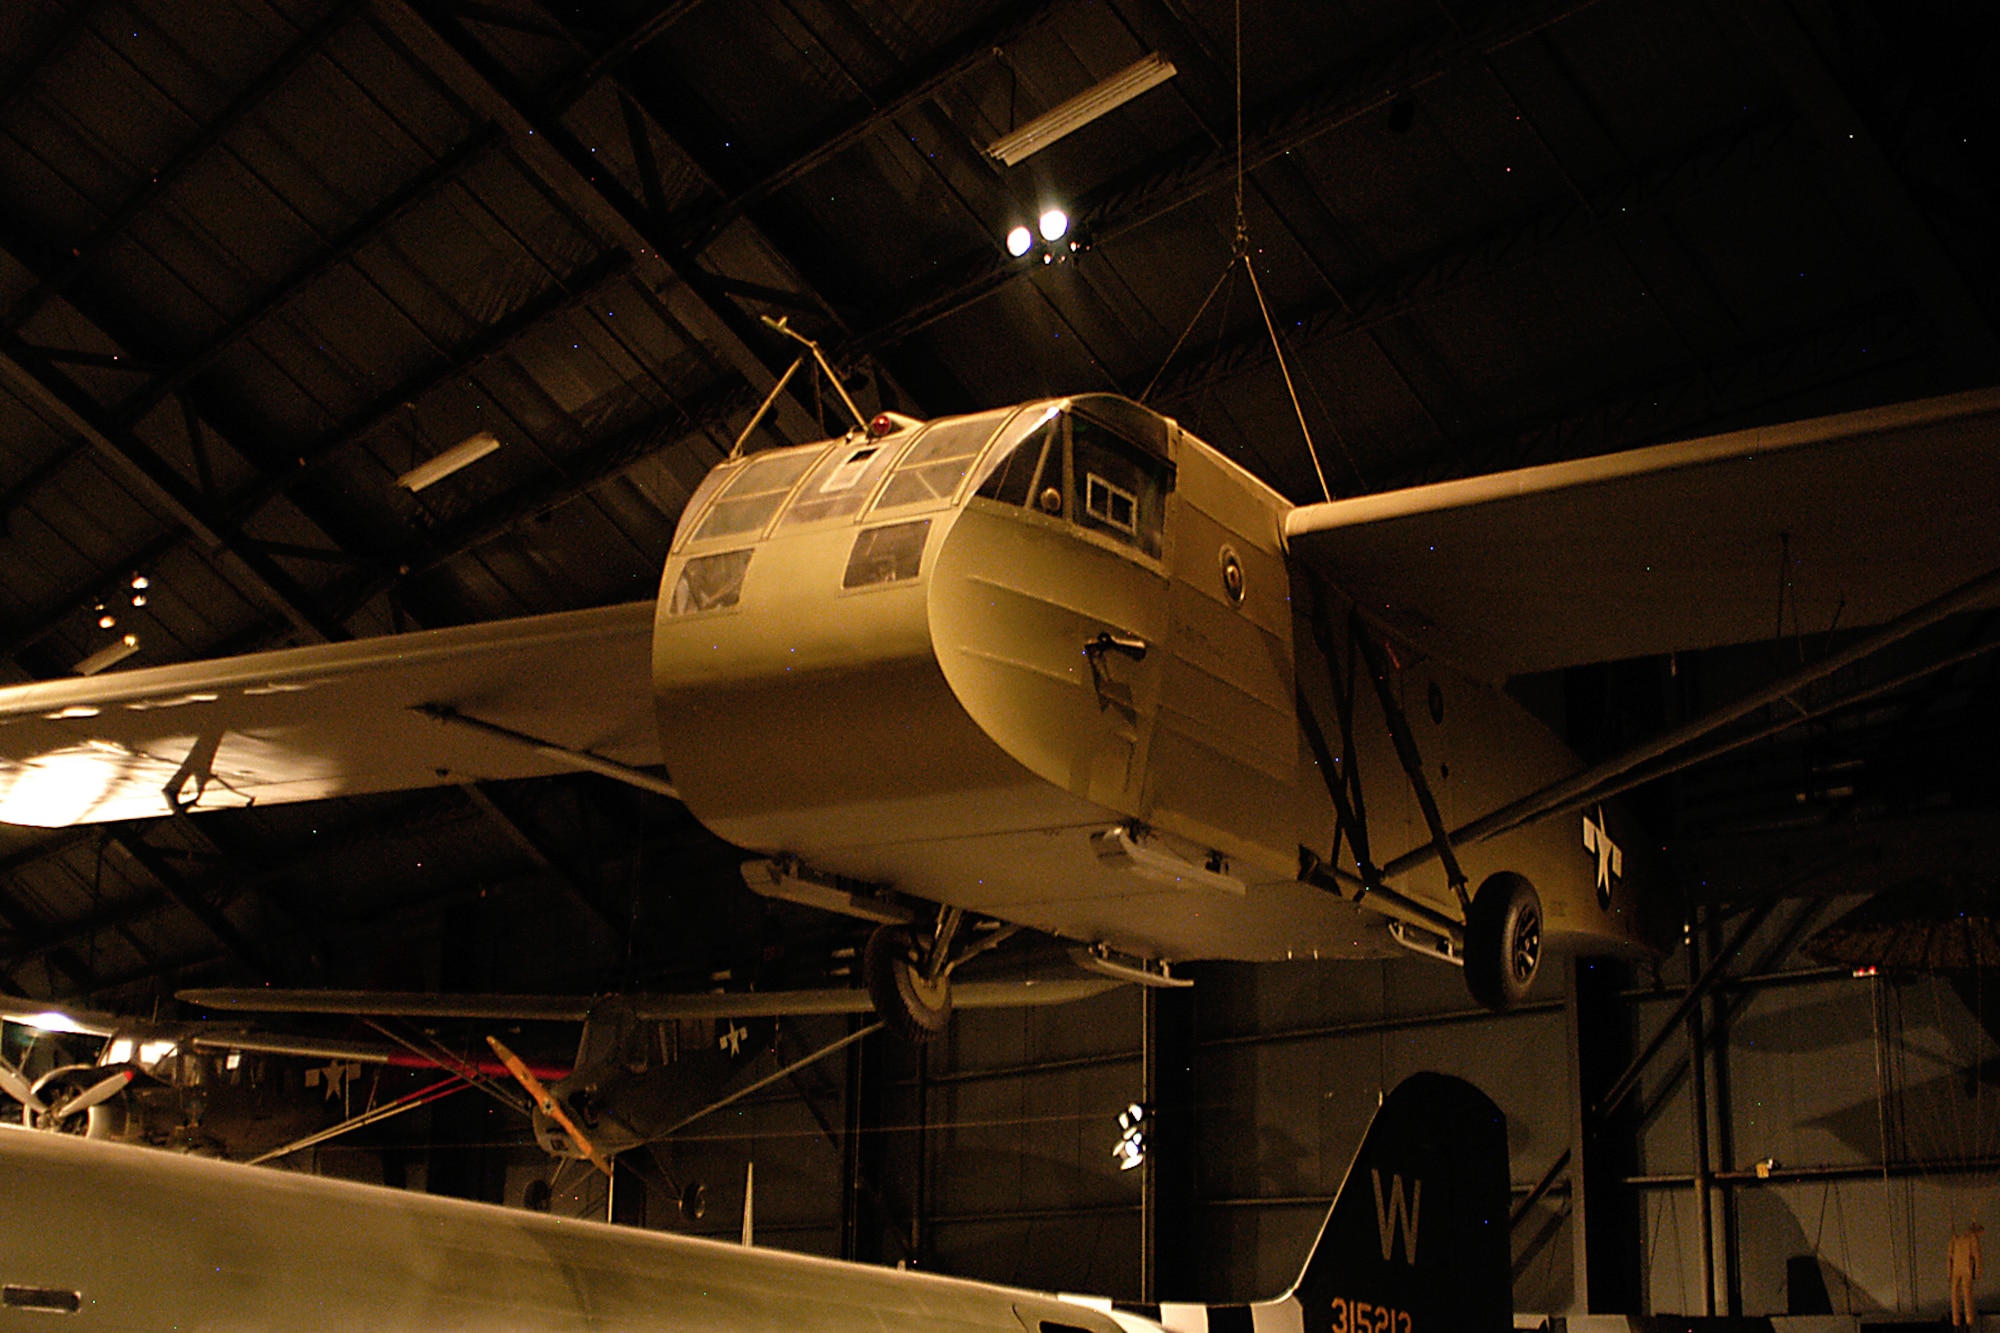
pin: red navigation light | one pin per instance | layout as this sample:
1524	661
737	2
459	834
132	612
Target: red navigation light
881	425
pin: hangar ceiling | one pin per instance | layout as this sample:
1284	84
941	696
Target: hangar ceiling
258	260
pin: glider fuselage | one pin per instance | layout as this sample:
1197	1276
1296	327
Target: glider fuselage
952	658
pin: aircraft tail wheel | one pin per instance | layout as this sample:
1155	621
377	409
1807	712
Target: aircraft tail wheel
913	1008
1503	941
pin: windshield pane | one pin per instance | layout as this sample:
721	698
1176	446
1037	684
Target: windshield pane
842	482
753	495
1012	478
929	474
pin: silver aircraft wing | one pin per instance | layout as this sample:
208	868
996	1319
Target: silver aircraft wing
1027	993
55	1016
508	699
1841	521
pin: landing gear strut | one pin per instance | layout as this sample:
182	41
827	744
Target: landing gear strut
909	978
914	1005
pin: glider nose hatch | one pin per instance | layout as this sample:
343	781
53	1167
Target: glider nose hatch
800	702
945	632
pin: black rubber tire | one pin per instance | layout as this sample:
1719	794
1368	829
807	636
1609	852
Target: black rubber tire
1503	941
912	1009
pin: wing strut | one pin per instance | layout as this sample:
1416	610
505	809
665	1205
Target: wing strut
1406	751
582	760
1343	784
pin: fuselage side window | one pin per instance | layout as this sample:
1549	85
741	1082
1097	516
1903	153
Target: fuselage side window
1120	489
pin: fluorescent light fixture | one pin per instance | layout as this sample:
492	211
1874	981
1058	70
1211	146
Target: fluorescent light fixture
461	455
1019	241
108	656
1078	111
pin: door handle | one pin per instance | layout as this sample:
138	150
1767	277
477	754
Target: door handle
1125	645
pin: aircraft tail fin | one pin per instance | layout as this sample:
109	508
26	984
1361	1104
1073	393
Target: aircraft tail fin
1417	1238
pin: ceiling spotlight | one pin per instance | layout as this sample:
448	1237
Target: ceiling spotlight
107	621
140	583
1053	224
1018	241
138	599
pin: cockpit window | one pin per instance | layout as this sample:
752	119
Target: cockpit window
840	486
1094	473
747	502
1012	479
1119	488
930	473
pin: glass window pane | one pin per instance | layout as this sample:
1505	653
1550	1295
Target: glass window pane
1121	489
930	473
1012	479
747	502
709	582
842	482
887	554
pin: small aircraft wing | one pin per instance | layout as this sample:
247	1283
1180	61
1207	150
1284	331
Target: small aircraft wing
1842	521
56	1017
53	1016
647	1008
509	699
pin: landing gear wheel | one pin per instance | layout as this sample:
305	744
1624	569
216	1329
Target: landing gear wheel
913	1008
1503	941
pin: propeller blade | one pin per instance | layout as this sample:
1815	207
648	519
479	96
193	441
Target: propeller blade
546	1103
95	1093
16	1086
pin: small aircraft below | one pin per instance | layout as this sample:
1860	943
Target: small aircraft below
1064	666
193	1086
645	1065
1416	1240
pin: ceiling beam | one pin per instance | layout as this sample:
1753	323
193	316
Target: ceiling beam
339	248
434	37
1434	48
164	178
1474	259
911	88
1869	183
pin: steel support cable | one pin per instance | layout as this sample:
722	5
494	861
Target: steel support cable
435	1052
1559	796
1355	90
769	1079
409	1101
1487	255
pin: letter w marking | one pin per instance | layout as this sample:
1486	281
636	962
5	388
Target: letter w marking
1397	1215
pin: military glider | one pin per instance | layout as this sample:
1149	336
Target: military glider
1065	666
